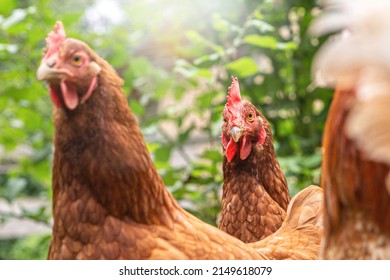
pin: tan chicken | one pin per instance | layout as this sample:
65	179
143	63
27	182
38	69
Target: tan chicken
108	199
255	193
356	162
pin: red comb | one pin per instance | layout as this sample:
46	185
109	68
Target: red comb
54	39
234	95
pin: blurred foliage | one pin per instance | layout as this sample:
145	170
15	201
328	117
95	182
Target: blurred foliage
176	58
32	247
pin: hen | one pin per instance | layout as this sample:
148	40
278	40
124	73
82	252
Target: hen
255	193
356	162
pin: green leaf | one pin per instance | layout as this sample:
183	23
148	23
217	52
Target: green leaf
262	26
120	59
162	167
137	108
204	73
68	19
162	154
286	127
14	187
7	6
208	60
39	214
169	177
163	88
312	161
216	127
140	66
213	155
288	46
183	137
204	101
243	67
32	247
152	147
185	68
196	37
267	42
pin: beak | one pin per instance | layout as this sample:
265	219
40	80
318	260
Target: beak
48	71
236	133
45	72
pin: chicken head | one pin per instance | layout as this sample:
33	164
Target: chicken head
243	125
69	69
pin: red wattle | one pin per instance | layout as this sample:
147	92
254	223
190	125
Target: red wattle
54	97
231	149
69	93
224	141
246	147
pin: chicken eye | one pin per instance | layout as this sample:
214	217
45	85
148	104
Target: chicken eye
251	117
76	60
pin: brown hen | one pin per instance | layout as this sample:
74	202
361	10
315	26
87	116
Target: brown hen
255	193
356	162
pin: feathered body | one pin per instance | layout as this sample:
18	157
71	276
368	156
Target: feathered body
356	161
357	202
